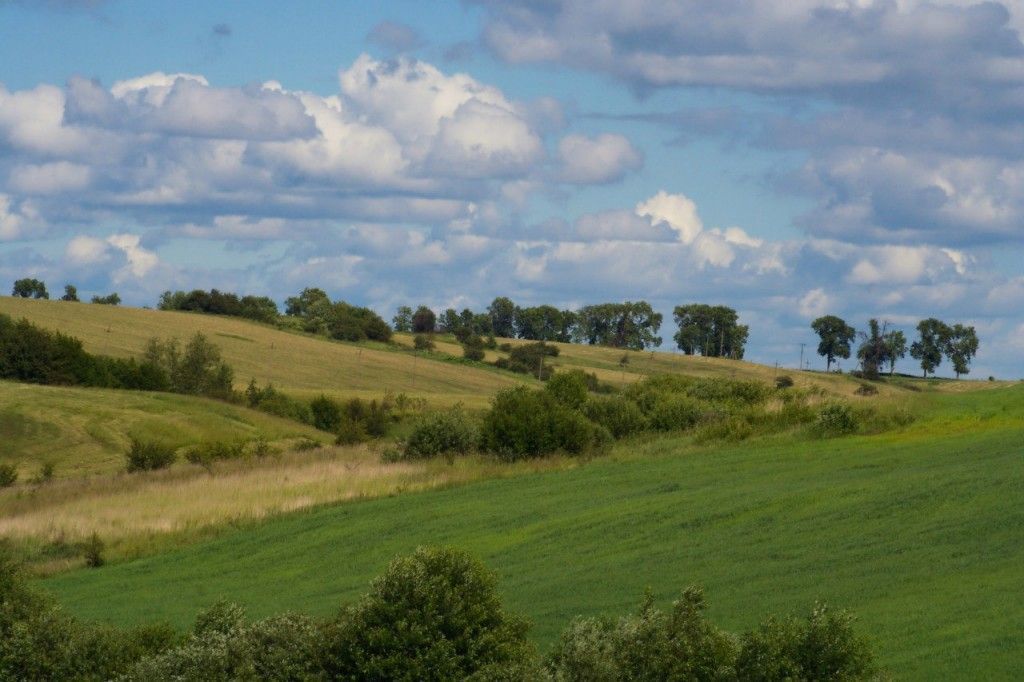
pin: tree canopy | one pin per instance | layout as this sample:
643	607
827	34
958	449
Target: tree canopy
712	331
836	337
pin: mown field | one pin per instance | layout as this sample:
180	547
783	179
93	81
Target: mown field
917	530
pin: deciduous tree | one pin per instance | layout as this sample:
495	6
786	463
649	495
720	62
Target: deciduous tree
836	337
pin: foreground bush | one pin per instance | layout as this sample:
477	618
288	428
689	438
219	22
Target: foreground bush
620	416
434	615
523	423
8	475
448	432
149	456
835	419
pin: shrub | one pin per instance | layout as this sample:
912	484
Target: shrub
473	348
434	615
448	432
8	475
149	456
350	432
524	423
268	399
651	645
45	473
674	412
730	429
836	419
729	390
568	388
206	454
326	413
423	342
305	444
824	647
529	358
620	416
94	551
783	381
866	389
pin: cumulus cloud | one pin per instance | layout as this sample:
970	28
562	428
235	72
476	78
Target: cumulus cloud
395	36
597	160
675	210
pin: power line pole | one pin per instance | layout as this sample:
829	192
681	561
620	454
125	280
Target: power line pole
802	355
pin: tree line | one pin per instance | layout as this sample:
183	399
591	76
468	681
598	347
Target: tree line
881	346
30	287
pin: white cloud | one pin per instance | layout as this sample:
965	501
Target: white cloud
140	260
49	178
814	303
676	210
85	250
597	160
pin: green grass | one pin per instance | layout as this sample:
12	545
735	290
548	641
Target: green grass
85	431
918	531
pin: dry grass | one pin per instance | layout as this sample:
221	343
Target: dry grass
135	513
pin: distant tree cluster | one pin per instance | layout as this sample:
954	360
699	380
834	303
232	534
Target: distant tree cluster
710	330
214	302
881	347
313	311
109	299
632	325
29	287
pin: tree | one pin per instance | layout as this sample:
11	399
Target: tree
502	312
895	348
110	299
30	287
402	321
712	331
70	293
632	325
961	347
304	304
434	615
539	323
929	348
449	322
873	351
836	337
424	321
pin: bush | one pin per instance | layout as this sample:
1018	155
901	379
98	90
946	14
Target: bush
620	416
45	473
568	388
326	414
8	475
866	389
94	552
730	429
149	456
836	419
783	381
448	432
530	358
350	432
651	645
305	444
674	412
423	342
434	615
473	348
272	401
823	647
524	423
729	390
206	454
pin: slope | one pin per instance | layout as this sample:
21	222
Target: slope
918	531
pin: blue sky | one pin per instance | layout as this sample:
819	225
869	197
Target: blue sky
862	158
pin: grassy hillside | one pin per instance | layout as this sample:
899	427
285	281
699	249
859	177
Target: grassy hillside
85	431
918	531
301	364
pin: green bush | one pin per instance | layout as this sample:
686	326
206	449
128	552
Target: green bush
568	388
206	454
523	423
448	432
675	412
836	419
731	429
350	432
149	455
423	342
620	416
94	551
822	647
434	615
473	347
326	413
268	399
783	381
729	390
530	358
8	475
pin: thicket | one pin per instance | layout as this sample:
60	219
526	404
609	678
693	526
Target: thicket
450	432
214	302
149	455
530	358
433	615
523	423
312	311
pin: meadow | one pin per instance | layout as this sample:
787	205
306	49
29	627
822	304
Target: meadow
916	530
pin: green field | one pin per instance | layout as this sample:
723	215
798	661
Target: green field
85	431
919	531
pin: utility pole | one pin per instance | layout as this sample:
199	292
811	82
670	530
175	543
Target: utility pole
802	355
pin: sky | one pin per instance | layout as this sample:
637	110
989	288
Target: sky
863	158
